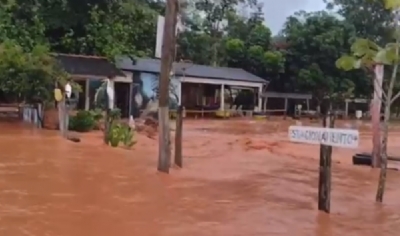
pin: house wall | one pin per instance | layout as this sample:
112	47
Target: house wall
145	90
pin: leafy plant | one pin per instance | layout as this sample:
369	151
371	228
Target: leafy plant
97	114
83	121
114	135
367	54
127	136
28	76
121	133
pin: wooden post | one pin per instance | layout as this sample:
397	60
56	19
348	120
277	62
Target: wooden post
168	50
325	171
286	105
106	126
178	137
375	117
61	116
66	119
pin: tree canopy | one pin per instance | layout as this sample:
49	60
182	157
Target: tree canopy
300	58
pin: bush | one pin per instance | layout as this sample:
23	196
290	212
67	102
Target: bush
83	121
121	133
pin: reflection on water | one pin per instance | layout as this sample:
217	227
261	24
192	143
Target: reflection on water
49	186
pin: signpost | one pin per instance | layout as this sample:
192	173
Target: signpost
327	138
345	138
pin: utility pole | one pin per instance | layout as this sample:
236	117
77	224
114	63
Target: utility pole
168	52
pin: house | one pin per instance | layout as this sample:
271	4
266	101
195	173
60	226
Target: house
196	87
89	72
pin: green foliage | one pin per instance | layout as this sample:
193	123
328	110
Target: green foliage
28	76
300	59
371	21
121	133
315	42
83	121
97	114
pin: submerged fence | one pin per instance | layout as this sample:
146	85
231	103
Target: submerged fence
32	114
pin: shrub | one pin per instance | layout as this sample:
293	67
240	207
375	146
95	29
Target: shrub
121	133
83	121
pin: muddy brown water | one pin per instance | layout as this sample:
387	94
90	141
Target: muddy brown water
239	178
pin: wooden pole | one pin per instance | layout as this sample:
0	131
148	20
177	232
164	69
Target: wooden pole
376	116
168	50
325	171
61	116
106	126
66	119
178	137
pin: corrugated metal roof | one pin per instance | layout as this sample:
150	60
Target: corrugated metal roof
87	65
190	70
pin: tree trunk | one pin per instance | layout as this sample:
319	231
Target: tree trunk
383	171
325	169
376	133
168	50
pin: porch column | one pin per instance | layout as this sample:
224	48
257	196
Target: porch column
87	98
130	99
222	98
265	103
286	107
259	98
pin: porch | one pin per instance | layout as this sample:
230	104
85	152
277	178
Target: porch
90	72
200	89
209	97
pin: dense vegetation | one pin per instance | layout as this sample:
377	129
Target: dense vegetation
301	58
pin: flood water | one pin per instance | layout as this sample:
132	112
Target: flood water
239	179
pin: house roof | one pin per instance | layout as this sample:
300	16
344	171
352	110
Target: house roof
87	65
190	70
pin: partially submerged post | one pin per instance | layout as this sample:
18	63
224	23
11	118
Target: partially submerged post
109	105
61	97
376	116
168	50
325	169
178	137
326	137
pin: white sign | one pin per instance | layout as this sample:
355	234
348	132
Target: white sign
110	94
346	138
160	33
68	90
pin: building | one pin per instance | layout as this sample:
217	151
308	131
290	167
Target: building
89	72
196	87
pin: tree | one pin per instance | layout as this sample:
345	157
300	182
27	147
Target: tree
30	30
94	27
367	53
28	76
370	18
314	42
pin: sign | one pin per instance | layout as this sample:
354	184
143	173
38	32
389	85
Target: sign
110	94
160	33
68	90
346	138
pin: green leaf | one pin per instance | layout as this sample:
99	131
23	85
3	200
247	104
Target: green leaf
392	4
348	63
